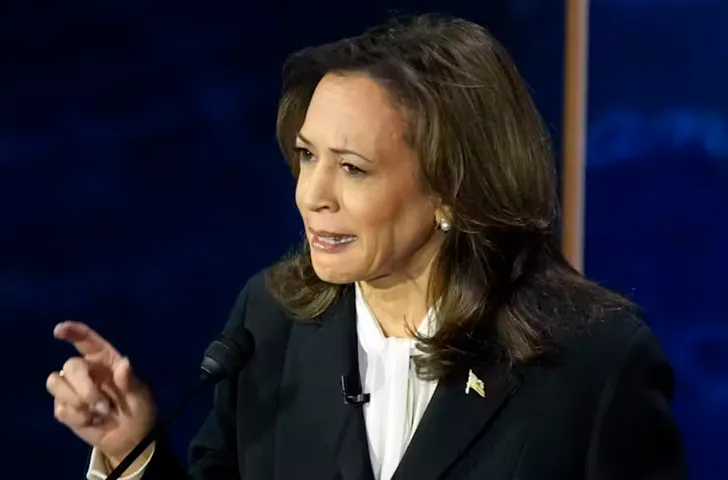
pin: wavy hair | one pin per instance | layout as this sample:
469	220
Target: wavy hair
501	280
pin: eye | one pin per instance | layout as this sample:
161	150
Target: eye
353	170
303	154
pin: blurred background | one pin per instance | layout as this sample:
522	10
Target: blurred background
140	183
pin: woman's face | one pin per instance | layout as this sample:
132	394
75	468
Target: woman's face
366	213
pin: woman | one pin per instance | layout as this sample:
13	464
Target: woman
430	277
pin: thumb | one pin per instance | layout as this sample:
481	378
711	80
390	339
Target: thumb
124	376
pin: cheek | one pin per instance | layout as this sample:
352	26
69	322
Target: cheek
391	219
298	194
300	190
371	212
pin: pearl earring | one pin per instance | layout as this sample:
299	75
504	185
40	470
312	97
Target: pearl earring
445	225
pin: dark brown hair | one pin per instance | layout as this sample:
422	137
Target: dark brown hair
500	278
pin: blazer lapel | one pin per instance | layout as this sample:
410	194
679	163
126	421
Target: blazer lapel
452	420
326	351
348	439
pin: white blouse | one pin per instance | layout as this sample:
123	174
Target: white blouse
398	397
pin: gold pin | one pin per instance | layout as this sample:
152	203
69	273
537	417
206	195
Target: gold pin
475	383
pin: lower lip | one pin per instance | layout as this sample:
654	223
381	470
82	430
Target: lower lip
328	247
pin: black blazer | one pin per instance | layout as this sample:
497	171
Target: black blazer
600	411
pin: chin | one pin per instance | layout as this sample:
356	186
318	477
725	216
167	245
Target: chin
333	273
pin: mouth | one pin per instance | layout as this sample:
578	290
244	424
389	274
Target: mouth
325	240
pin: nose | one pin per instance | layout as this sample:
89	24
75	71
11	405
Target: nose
316	188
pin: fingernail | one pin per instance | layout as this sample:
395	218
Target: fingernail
102	408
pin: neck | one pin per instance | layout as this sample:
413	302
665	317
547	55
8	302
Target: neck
399	303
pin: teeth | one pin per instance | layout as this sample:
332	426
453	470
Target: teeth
337	239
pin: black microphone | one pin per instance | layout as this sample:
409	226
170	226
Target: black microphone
352	392
224	358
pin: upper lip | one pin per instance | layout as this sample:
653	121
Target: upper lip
326	233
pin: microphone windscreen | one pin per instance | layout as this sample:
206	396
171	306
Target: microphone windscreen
228	354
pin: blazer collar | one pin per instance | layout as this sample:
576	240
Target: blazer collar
450	423
343	427
453	419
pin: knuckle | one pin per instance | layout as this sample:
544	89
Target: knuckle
59	411
68	415
73	364
88	393
51	382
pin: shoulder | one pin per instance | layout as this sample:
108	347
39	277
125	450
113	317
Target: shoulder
607	370
614	377
616	351
606	342
260	313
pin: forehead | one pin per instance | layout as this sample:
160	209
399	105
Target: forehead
353	111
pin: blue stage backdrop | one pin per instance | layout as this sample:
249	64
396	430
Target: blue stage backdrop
140	183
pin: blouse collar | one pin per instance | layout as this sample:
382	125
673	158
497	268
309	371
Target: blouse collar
371	335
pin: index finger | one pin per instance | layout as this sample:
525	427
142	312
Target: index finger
83	337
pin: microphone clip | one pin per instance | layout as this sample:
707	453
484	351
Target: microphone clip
351	398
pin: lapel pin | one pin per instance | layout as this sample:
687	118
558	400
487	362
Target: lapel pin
475	383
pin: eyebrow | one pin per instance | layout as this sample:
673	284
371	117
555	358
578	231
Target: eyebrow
338	151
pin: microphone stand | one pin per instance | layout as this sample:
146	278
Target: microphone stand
159	427
223	358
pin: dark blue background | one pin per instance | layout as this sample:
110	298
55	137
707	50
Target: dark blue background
140	183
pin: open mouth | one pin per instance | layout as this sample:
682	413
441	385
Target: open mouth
335	239
330	241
